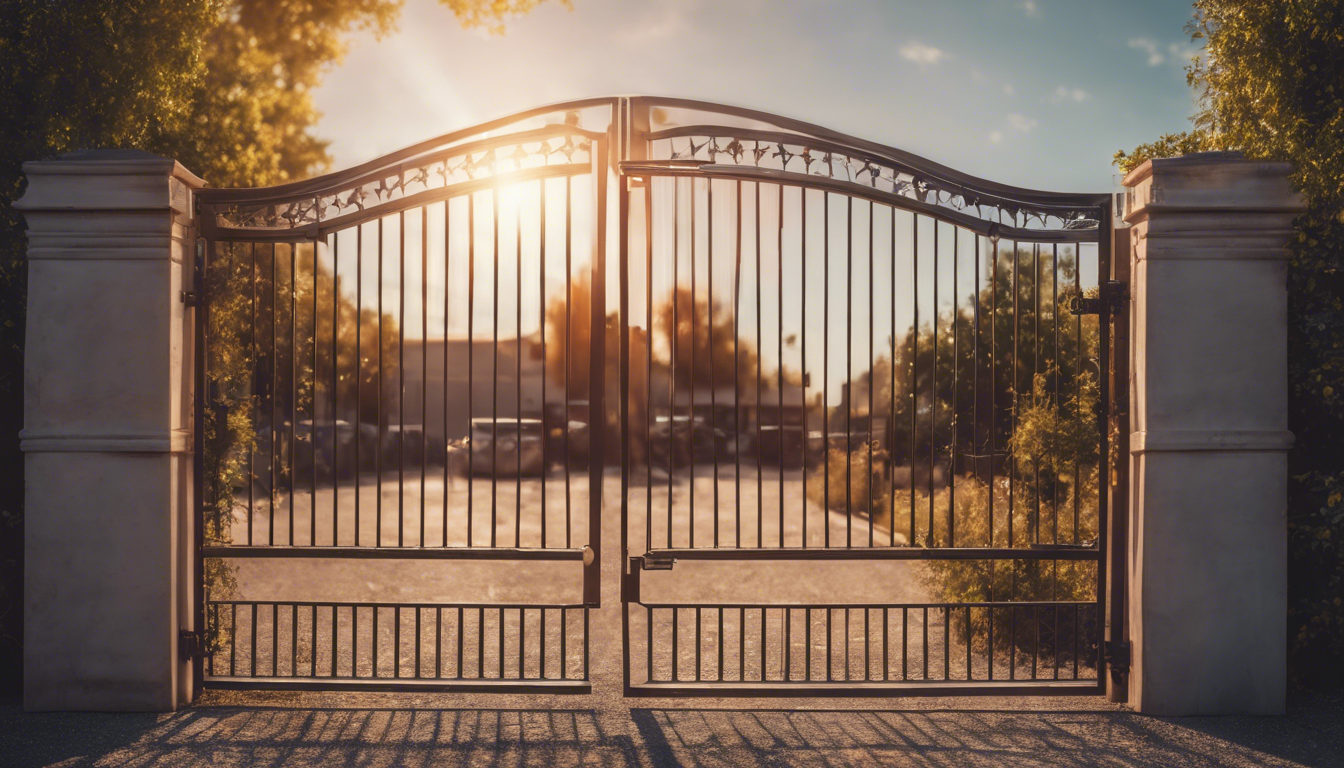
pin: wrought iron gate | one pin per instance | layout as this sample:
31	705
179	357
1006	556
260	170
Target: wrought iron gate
378	383
861	419
854	357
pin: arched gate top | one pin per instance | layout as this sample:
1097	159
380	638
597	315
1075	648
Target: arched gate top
642	136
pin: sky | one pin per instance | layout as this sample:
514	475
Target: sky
1034	93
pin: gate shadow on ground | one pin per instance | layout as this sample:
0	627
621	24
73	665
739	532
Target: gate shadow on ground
312	737
706	737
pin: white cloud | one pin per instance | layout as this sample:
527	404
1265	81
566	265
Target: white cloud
995	137
1020	122
1150	47
1030	8
922	54
1009	90
1062	95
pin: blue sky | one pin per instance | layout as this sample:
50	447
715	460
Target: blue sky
1038	93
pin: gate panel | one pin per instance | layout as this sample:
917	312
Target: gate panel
865	431
397	396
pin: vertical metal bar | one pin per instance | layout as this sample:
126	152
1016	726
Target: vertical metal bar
1104	351
720	646
947	639
541	331
648	376
905	644
976	447
494	368
233	639
335	398
480	642
419	658
737	365
742	644
713	379
779	348
569	334
695	369
518	381
500	628
396	639
886	645
891	436
424	380
293	378
788	643
597	379
313	629
802	369
585	642
312	432
867	644
461	631
471	365
848	658
354	641
1035	369
676	632
849	392
699	638
378	406
760	349
275	647
359	364
933	407
826	385
522	642
294	640
956	392
673	332
1078	384
648	640
335	639
448	292
1036	645
925	628
914	367
872	384
763	629
968	608
993	403
401	392
438	638
256	417
201	386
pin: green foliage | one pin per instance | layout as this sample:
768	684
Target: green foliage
1170	145
223	86
1271	84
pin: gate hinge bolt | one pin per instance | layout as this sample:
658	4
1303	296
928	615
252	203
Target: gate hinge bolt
1117	655
191	644
1111	294
189	298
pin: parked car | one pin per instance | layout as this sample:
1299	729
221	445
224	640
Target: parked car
335	447
506	447
685	439
393	450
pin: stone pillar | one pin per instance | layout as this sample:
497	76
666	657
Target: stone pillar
107	442
1209	424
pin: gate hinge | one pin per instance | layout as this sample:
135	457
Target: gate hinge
1111	294
189	298
191	644
1117	655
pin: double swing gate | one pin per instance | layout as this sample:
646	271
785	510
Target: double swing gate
861	406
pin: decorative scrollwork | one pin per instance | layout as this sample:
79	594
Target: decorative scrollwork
437	170
721	146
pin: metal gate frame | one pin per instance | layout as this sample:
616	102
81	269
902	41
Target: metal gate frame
910	183
623	152
462	163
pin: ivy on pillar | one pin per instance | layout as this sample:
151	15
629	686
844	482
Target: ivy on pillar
107	441
1209	434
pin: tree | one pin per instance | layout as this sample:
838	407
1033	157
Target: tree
221	85
1271	84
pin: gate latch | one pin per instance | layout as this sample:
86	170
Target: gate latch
1111	294
1116	653
655	562
189	298
191	644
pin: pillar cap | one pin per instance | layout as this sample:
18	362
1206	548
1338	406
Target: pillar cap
1210	182
107	179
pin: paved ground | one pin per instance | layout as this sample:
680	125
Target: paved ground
368	729
396	730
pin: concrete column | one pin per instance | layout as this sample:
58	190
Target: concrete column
107	418
1209	424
